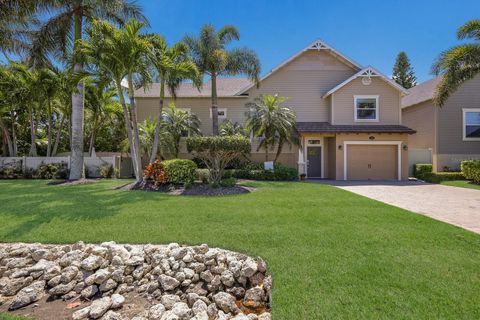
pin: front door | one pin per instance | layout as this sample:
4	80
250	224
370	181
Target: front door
314	162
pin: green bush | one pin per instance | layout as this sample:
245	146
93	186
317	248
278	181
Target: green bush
229	182
202	175
471	170
51	171
107	171
420	169
218	152
437	177
180	171
12	170
280	173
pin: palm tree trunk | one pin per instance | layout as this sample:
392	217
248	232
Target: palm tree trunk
49	143
14	134
279	150
57	138
33	146
136	136
7	138
91	145
156	139
128	125
214	105
76	159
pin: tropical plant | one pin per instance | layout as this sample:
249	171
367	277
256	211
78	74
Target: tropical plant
178	123
59	34
272	123
173	66
403	73
228	128
118	54
458	64
210	54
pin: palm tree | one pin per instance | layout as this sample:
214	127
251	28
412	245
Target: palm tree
173	66
211	56
178	123
458	64
228	128
273	123
120	53
59	35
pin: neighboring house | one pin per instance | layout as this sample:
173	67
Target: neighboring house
349	117
450	133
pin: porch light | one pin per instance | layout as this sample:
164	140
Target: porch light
340	147
405	147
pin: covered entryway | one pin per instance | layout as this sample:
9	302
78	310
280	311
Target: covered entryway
314	162
371	161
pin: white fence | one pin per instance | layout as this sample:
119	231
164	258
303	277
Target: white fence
122	165
418	156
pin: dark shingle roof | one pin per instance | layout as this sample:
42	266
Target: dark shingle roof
226	87
421	93
325	127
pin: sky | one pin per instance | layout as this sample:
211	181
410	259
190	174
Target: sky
370	32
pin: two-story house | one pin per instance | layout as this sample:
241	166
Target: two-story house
349	117
448	134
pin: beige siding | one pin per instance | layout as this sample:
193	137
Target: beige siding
450	120
421	118
389	102
341	138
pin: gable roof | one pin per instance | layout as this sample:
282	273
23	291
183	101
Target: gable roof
315	45
226	87
421	93
368	72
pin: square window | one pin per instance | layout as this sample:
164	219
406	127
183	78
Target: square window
366	108
222	113
471	124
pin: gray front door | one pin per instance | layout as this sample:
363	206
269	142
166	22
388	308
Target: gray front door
314	162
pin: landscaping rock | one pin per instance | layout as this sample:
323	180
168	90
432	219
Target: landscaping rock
168	283
28	295
226	302
156	312
99	307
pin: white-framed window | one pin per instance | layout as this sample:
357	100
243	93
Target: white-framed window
471	124
222	113
365	108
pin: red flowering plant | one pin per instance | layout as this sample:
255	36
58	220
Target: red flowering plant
156	171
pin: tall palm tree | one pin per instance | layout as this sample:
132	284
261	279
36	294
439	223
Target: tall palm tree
228	128
120	53
458	64
210	54
173	66
274	124
178	123
60	34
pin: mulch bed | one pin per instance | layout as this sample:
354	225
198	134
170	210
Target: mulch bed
198	189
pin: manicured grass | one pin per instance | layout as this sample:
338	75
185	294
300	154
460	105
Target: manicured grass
4	316
461	184
332	254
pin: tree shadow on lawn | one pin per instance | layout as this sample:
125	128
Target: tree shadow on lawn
35	204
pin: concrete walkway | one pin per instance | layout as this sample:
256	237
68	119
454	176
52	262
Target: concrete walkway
457	206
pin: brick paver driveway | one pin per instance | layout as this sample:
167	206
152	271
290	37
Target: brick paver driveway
457	206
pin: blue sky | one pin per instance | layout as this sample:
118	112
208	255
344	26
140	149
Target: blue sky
370	32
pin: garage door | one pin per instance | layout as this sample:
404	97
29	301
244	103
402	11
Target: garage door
372	162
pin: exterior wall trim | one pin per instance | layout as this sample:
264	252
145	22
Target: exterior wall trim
384	142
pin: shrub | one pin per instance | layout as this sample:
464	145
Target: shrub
471	170
107	171
280	173
180	171
218	152
229	182
51	171
420	169
12	170
156	172
437	177
202	175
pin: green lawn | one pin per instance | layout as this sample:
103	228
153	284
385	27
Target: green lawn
4	316
461	184
332	254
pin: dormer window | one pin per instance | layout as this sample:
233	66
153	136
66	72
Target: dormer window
366	108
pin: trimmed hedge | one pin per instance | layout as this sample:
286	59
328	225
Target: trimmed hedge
180	171
471	170
420	169
280	173
57	170
438	177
